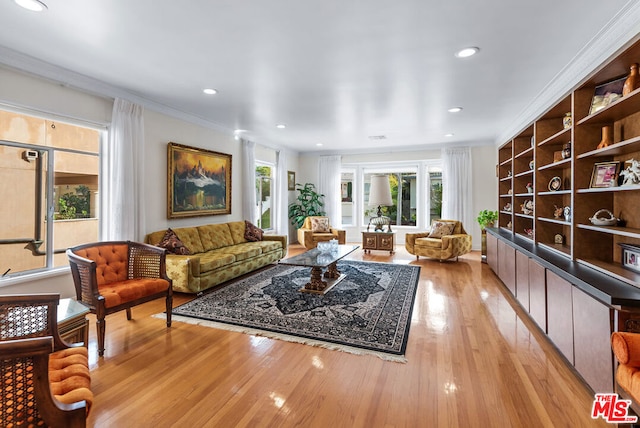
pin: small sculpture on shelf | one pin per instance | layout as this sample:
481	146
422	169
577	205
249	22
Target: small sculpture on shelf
566	120
529	232
527	207
631	174
557	211
566	151
510	192
509	225
529	187
567	213
509	173
631	84
507	207
607	138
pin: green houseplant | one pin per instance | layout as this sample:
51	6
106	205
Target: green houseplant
486	218
308	203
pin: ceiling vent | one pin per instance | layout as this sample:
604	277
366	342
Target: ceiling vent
377	137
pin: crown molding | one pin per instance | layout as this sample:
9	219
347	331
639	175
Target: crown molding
622	30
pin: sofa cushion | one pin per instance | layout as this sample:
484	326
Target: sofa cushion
267	246
429	242
191	239
215	236
173	244
125	291
69	377
215	259
243	251
252	233
440	229
237	231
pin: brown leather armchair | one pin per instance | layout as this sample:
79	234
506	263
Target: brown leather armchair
117	275
57	393
316	229
453	244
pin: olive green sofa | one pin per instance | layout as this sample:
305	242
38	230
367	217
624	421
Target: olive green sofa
219	252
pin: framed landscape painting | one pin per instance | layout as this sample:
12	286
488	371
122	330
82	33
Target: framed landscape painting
198	182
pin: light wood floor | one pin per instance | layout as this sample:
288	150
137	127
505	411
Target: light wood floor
474	360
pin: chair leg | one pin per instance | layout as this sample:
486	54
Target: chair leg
128	314
100	327
169	309
417	257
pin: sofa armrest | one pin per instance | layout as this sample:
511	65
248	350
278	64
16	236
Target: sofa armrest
305	237
340	234
282	238
182	270
626	347
410	240
448	240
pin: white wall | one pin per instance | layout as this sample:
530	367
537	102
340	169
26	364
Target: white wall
484	179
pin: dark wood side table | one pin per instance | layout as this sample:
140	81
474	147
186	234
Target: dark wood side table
73	324
378	241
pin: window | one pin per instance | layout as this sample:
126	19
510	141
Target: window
264	191
403	194
434	184
52	202
346	190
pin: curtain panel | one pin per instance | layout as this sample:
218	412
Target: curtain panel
249	181
329	185
457	185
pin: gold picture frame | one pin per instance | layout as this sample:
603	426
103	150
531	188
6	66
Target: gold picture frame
291	180
605	174
198	182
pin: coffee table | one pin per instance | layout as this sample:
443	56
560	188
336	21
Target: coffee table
318	261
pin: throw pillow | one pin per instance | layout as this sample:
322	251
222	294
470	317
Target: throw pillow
320	225
252	233
440	229
173	244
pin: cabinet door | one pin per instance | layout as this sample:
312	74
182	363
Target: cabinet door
538	294
560	314
368	241
592	337
492	252
507	266
385	242
522	279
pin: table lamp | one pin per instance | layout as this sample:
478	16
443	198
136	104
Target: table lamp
380	194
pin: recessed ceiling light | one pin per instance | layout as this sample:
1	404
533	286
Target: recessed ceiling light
448	135
33	5
467	52
281	126
455	109
319	144
210	91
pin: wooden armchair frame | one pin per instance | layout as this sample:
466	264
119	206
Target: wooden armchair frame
28	335
143	261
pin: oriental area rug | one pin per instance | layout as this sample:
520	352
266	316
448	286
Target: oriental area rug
368	312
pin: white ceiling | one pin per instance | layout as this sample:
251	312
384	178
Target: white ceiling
334	71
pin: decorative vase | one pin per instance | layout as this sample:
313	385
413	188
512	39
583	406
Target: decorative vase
566	120
632	81
607	139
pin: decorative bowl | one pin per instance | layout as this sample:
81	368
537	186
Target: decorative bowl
603	218
324	246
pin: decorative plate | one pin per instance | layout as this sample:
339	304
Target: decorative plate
555	184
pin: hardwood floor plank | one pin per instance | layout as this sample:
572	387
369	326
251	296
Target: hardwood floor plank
475	359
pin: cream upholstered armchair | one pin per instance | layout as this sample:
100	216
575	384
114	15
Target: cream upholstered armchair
446	239
316	229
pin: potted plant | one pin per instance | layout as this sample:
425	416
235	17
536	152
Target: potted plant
486	218
308	203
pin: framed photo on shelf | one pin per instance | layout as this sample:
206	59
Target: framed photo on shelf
606	94
630	257
605	174
198	182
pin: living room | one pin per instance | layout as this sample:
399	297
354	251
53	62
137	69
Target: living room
36	87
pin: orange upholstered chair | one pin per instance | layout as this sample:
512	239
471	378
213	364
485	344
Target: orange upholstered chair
45	381
626	348
117	275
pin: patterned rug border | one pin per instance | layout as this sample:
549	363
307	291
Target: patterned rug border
265	332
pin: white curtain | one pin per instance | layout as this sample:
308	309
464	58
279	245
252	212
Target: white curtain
457	195
122	175
281	223
249	181
329	185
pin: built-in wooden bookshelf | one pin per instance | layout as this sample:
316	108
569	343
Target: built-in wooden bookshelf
557	159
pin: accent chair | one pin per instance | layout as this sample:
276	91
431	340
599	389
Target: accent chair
446	239
318	229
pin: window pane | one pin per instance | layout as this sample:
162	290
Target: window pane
263	196
346	189
435	195
403	188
